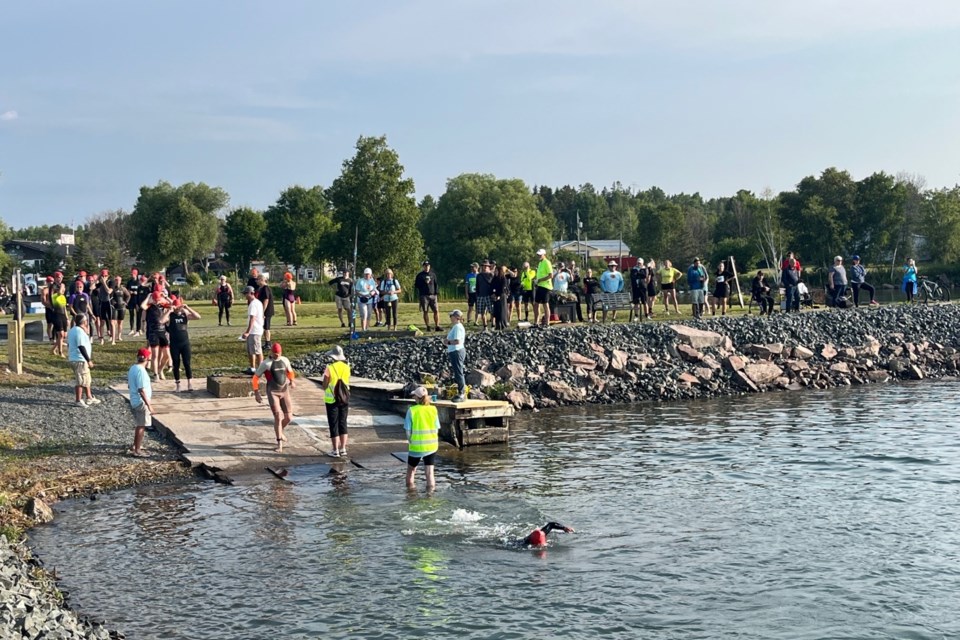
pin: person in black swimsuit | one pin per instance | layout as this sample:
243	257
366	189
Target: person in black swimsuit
224	300
538	537
119	298
133	302
180	340
156	310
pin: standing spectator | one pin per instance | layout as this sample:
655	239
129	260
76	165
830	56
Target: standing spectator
484	295
224	300
638	291
141	392
651	286
119	298
426	285
80	357
515	297
45	294
343	294
180	340
591	289
378	303
103	307
422	425
265	296
527	278
289	299
790	278
561	285
761	293
254	333
278	372
252	280
337	409
668	285
457	353
721	288
543	283
501	288
366	288
61	318
909	285
133	302
611	281
858	280
837	281
390	294
156	311
143	294
470	287
697	277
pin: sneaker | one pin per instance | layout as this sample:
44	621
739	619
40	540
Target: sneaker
460	398
438	329
874	302
249	371
132	333
334	454
343	453
343	326
93	401
81	403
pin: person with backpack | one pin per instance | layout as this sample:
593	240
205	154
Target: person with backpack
278	373
390	296
336	385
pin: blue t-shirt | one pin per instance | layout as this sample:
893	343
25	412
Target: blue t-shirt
138	378
693	276
457	332
611	281
77	338
471	281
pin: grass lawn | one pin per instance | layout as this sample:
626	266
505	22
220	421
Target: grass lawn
216	348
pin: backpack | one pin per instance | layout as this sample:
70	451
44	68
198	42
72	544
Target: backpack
341	393
277	375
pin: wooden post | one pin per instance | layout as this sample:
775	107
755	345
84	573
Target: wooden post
15	328
736	280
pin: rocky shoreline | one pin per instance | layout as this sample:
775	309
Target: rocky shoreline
622	363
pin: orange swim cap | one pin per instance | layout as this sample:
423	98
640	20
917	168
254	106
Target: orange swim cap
538	538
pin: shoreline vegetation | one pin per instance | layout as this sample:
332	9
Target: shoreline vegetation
50	450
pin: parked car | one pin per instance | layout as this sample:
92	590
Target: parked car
179	281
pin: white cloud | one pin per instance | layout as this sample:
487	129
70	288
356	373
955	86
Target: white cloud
9	115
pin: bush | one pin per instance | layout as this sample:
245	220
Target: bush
193	279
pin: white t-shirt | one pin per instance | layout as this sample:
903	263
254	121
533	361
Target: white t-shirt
255	310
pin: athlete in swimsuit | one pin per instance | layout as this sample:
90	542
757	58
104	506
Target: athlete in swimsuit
538	537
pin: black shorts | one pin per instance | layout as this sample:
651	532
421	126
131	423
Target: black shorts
428	302
651	291
48	315
667	286
527	295
639	296
158	339
266	322
541	295
471	299
722	290
105	312
413	461
60	322
515	297
118	313
337	419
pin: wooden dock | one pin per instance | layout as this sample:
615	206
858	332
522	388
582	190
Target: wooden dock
461	423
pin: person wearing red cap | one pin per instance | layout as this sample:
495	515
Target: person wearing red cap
119	299
279	375
133	302
102	307
180	340
289	288
538	537
156	311
141	392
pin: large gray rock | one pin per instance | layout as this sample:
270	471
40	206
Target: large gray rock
763	372
562	392
511	372
480	379
802	353
618	362
520	400
581	361
38	510
697	338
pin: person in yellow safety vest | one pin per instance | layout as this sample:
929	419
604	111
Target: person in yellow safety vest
422	425
336	371
527	276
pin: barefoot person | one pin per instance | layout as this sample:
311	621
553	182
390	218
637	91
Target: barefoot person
278	372
289	288
179	340
422	425
138	384
337	409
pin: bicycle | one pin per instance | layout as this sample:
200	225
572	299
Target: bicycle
930	290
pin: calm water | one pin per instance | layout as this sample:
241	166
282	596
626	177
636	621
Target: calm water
808	515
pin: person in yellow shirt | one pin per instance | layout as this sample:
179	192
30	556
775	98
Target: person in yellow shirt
527	277
668	285
543	287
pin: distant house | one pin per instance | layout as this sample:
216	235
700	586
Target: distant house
605	250
31	254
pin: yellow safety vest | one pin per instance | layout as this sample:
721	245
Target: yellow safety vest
423	430
526	279
335	375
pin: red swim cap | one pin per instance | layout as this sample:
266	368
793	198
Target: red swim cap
538	538
157	294
276	348
177	302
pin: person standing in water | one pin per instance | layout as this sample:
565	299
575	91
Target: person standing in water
422	425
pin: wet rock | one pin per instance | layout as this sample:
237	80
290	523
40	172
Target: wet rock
520	400
38	510
763	372
697	338
877	376
914	372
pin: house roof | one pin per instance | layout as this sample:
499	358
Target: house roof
602	247
40	248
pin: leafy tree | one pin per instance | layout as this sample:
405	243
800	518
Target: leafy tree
941	217
479	216
743	250
373	200
42	233
109	229
297	224
244	231
175	224
877	216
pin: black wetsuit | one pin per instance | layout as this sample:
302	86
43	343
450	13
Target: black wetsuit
133	286
179	343
546	529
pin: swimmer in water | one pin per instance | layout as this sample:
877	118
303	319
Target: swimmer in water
538	537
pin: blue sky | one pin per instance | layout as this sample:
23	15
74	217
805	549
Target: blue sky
100	97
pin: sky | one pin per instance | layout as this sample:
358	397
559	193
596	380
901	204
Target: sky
100	97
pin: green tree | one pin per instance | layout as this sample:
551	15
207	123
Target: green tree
373	200
878	215
479	216
941	224
244	230
175	224
297	225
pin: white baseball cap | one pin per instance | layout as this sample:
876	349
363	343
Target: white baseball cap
541	252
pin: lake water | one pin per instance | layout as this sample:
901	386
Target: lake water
806	515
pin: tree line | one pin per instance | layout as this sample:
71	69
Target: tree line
883	218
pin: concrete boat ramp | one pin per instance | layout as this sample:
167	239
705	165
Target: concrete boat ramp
227	436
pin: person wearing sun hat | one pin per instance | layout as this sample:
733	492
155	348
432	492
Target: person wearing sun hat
422	425
338	371
141	392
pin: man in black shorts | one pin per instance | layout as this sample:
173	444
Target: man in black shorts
591	290
484	291
426	285
638	288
